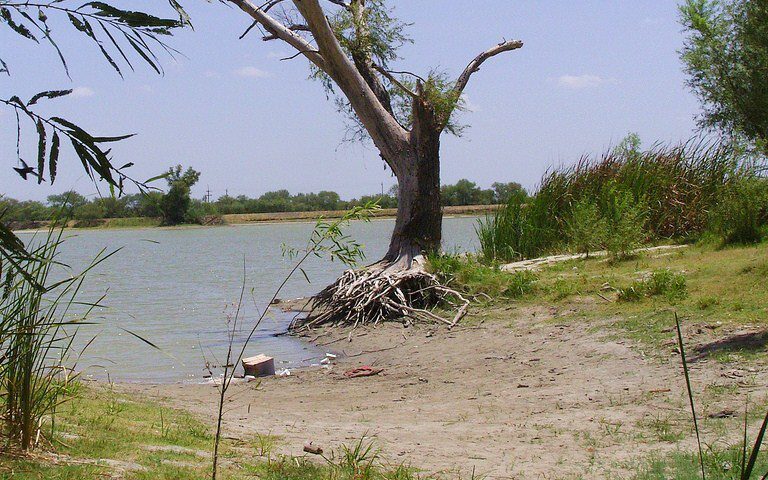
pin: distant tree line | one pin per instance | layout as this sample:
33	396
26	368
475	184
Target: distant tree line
175	206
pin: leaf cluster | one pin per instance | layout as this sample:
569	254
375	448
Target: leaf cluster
726	59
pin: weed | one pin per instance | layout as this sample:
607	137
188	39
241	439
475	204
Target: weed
661	282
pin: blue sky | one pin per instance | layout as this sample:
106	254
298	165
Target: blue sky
590	72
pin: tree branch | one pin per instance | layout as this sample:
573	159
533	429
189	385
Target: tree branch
474	65
395	81
293	28
388	135
280	31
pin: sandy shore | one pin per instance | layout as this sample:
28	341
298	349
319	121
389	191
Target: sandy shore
519	396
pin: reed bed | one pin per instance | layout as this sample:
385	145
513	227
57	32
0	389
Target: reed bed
664	193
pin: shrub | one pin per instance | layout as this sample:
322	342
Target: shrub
586	229
523	228
624	222
741	215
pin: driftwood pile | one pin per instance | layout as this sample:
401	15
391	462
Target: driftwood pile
380	293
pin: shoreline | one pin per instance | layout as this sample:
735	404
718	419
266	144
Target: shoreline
434	407
240	219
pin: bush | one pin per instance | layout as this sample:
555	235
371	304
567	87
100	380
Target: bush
523	228
624	220
586	229
741	215
663	282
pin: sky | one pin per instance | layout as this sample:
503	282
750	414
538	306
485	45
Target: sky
590	72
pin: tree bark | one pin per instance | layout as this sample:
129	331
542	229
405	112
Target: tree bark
418	228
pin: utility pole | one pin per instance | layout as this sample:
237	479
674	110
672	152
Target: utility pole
207	198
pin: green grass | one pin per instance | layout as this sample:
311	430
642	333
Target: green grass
720	463
132	222
662	282
708	286
99	424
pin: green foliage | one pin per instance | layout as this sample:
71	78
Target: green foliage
476	278
640	195
741	215
176	202
726	59
148	203
624	218
586	229
520	229
465	192
664	282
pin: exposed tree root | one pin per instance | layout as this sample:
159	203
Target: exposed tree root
384	291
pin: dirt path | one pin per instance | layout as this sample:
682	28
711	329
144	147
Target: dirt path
525	397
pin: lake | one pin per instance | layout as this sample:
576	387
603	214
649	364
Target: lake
178	288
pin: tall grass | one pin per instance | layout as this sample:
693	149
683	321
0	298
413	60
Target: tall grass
38	321
666	192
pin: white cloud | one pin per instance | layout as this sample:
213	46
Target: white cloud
576	82
251	72
211	74
82	92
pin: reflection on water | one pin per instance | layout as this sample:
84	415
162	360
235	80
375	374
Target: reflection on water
178	287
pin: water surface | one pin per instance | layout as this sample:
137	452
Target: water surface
178	288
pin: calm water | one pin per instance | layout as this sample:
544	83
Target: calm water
178	287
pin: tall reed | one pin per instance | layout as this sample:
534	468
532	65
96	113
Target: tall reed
671	189
38	323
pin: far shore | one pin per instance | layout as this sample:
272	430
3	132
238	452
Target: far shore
237	219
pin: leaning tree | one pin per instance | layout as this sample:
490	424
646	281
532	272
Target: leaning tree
350	45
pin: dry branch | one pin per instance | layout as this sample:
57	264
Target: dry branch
380	293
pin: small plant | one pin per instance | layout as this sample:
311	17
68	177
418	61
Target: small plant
705	303
476	278
741	216
586	229
662	282
625	220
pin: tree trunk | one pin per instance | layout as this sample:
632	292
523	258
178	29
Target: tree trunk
418	228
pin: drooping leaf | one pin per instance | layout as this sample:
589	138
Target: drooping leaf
183	16
158	177
143	54
131	18
49	94
53	158
16	27
41	150
112	139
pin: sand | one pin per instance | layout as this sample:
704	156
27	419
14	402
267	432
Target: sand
531	394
